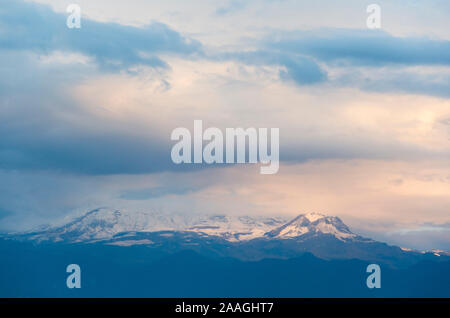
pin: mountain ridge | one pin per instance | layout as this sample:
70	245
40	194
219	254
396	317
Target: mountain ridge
242	237
104	223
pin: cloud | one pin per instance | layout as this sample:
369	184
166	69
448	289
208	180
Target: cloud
419	80
32	198
314	56
231	7
302	70
43	127
35	27
74	120
423	237
157	192
373	60
361	47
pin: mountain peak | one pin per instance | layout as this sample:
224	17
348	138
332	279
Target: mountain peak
313	224
313	216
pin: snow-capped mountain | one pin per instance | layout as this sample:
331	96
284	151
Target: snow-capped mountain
104	224
312	223
242	237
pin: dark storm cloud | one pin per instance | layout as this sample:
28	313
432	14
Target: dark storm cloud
41	128
362	47
353	49
37	126
35	27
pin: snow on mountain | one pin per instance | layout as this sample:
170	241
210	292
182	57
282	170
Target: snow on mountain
439	252
312	216
104	223
236	228
312	223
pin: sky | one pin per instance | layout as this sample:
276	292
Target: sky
364	114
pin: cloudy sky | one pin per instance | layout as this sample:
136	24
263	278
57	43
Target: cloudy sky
364	115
